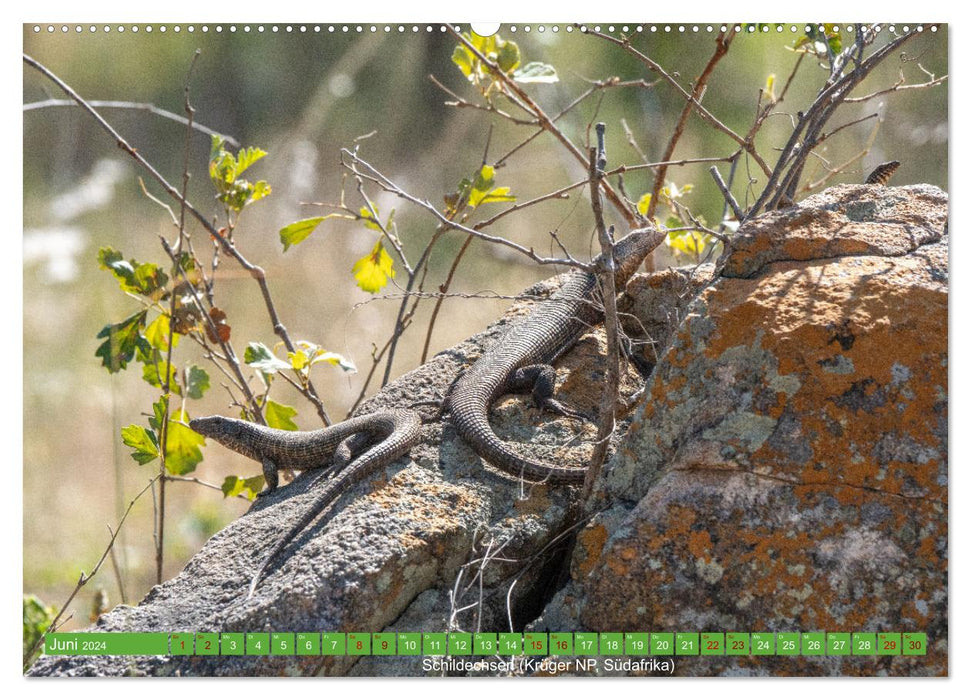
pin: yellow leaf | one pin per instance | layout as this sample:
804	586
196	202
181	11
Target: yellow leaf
687	242
368	219
298	359
644	203
373	270
336	360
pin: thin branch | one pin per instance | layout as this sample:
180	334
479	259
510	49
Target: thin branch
531	107
701	111
726	193
898	87
722	42
141	106
388	185
606	421
785	175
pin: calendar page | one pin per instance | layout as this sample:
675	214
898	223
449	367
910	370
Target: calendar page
525	349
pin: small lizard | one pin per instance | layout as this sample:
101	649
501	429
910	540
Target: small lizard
390	434
521	359
882	173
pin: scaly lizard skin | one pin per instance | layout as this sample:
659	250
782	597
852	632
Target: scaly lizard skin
521	359
882	173
390	433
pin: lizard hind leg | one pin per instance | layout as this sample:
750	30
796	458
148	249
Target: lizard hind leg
541	381
350	447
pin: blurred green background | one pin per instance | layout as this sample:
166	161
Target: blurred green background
302	95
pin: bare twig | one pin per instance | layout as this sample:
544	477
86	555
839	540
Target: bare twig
785	176
702	112
608	399
722	42
726	193
141	106
529	105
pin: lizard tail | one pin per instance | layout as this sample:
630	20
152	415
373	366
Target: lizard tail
473	425
400	430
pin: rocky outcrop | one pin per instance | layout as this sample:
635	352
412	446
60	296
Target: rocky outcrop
786	471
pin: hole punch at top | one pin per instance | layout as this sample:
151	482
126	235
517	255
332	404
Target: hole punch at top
485	28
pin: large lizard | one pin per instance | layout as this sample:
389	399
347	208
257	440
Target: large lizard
521	361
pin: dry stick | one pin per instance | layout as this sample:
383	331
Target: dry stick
376	361
444	291
621	169
255	271
141	106
606	419
794	153
83	579
532	108
698	108
461	102
722	42
897	87
200	482
377	177
166	382
726	193
598	85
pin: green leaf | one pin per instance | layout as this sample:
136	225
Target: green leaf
298	231
259	356
260	190
310	354
182	452
279	416
196	382
373	270
246	157
483	189
463	58
497	194
152	374
146	279
38	616
143	441
123	339
688	242
507	55
335	359
369	220
236	485
536	72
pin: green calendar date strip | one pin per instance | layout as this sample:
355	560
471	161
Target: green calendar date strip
487	644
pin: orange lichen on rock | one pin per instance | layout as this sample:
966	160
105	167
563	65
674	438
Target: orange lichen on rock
790	467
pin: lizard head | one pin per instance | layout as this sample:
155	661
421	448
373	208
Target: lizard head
219	428
631	250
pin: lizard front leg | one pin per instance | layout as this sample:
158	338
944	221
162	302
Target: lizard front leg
271	475
541	381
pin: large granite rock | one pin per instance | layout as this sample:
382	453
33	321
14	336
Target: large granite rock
788	470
